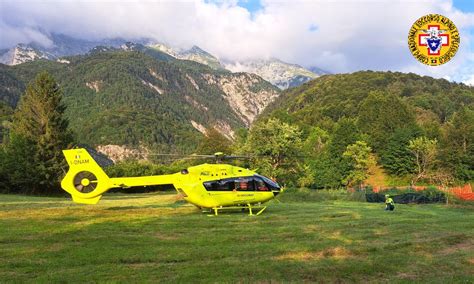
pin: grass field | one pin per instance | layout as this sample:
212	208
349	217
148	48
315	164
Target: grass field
154	238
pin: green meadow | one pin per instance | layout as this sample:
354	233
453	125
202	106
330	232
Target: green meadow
157	238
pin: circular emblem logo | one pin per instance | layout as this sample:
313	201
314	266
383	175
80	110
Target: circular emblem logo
433	39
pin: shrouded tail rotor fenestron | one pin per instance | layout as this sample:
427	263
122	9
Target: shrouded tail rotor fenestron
85	182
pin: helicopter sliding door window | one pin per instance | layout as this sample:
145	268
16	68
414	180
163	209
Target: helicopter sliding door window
220	185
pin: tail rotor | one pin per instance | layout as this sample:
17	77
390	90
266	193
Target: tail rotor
85	182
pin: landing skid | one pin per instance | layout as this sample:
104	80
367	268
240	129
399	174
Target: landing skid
258	208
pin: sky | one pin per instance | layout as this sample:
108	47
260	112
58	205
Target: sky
339	35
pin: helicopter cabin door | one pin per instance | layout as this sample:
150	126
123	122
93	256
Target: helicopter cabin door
244	190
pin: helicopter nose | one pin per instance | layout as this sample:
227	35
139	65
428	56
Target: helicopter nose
277	190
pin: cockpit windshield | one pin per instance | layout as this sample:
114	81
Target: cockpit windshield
270	183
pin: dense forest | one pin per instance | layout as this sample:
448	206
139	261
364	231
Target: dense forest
134	98
412	126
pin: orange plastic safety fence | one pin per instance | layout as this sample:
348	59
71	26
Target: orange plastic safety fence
463	192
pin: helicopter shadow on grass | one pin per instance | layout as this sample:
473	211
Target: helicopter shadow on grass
209	212
115	196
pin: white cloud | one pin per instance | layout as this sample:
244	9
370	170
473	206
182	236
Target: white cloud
11	35
341	36
469	81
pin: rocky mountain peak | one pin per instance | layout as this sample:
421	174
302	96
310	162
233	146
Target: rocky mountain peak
22	53
281	74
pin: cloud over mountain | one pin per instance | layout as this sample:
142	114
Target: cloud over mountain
341	36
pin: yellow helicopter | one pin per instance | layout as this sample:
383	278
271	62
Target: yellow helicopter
213	187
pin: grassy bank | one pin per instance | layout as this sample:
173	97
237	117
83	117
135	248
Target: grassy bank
153	238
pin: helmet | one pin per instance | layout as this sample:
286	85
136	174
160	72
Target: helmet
387	196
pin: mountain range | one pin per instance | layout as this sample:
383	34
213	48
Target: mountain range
135	95
279	73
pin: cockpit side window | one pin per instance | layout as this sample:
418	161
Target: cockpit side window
220	185
260	185
270	183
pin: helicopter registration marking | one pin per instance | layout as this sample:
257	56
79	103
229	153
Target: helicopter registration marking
79	162
242	195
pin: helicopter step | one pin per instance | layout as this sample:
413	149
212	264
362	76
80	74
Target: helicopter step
251	207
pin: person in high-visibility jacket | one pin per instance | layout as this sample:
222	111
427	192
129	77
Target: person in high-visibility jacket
389	204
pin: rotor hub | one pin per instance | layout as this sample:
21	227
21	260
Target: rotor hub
85	182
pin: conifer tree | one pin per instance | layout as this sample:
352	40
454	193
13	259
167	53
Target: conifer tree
396	158
40	123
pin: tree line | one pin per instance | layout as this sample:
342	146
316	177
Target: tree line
345	156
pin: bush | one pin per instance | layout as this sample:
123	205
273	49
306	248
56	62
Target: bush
409	195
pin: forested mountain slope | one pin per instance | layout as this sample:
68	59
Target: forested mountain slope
133	98
335	96
386	110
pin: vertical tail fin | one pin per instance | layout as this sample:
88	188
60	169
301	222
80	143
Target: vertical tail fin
86	181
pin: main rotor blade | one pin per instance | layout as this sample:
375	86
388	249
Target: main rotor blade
182	155
224	157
